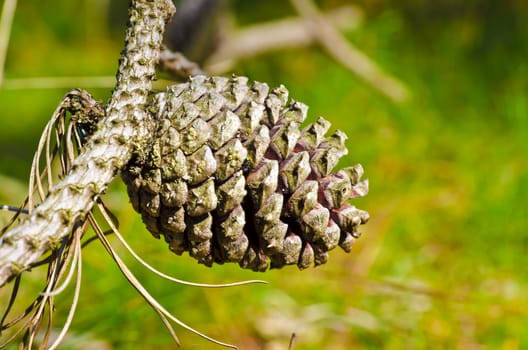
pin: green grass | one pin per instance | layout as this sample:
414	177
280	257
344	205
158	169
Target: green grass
442	261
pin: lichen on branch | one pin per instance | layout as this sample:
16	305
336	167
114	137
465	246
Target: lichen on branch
124	128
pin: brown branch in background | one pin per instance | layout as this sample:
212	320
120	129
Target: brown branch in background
258	39
177	64
280	34
348	55
293	340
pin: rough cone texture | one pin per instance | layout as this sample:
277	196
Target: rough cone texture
230	176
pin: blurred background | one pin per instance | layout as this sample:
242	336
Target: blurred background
442	262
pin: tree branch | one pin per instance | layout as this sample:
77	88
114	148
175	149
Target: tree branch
125	126
275	35
178	65
347	54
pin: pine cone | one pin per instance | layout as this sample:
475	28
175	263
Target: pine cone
231	177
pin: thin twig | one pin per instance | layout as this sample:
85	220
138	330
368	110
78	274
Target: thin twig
247	42
6	21
293	340
13	209
347	54
274	35
178	65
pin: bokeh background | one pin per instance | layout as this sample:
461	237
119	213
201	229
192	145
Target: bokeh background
443	262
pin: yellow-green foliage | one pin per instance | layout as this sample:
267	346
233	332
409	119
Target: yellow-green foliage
441	264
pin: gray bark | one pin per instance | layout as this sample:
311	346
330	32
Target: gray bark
126	126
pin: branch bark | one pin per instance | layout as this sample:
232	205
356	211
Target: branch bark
126	126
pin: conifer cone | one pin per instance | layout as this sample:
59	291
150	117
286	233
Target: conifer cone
230	176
